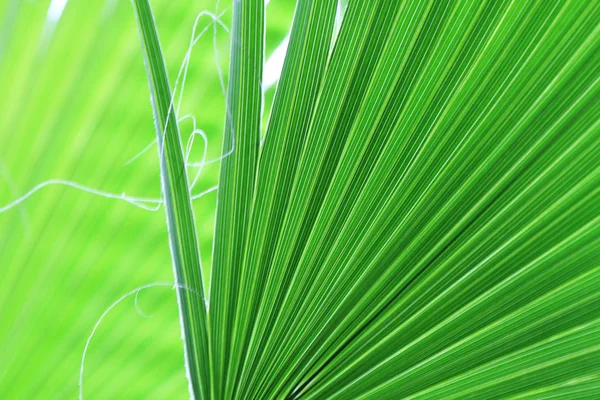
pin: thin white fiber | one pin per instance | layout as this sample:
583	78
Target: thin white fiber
113	305
150	204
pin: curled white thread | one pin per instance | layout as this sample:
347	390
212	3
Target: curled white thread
205	192
183	70
149	204
137	306
182	74
142	202
190	144
113	305
216	17
141	153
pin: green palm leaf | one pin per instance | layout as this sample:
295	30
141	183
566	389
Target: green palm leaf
419	220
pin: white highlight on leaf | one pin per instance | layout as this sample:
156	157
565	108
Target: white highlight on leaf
274	65
339	17
55	10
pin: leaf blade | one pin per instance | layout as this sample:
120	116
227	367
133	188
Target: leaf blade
178	206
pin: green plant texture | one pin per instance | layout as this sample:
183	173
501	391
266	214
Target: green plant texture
405	206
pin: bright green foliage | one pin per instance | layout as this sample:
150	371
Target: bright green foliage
425	216
422	220
236	183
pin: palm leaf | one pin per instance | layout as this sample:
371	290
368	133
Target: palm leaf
238	170
178	206
421	220
426	205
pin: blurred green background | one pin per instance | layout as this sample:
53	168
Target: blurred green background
75	106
